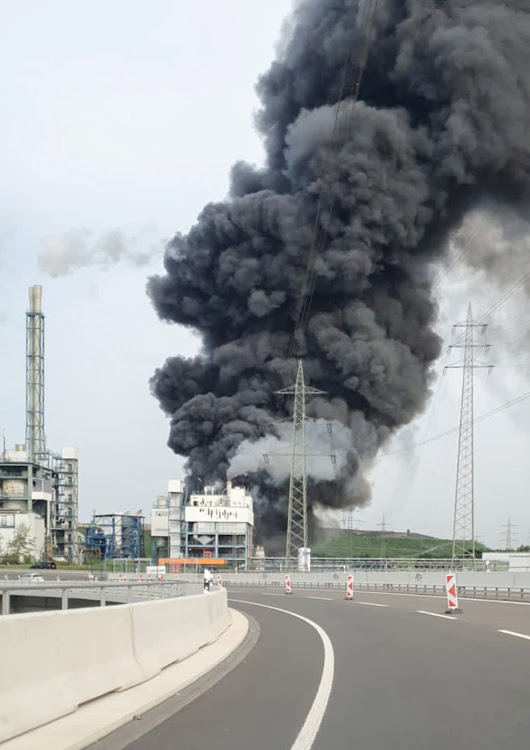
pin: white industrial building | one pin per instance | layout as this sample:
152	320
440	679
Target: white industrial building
213	525
515	562
39	488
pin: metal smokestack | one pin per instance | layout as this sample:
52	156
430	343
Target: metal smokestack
35	375
35	299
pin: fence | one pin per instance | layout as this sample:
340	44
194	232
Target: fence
320	564
123	592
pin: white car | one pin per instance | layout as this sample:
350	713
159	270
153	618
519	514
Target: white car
30	578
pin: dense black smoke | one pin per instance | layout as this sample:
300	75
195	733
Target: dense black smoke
441	124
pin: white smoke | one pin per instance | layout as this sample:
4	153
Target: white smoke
62	254
328	445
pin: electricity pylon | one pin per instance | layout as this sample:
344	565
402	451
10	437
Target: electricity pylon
464	510
511	535
297	509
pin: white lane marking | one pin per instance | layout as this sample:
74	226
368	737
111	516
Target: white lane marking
323	598
517	635
264	593
435	614
366	592
308	732
372	604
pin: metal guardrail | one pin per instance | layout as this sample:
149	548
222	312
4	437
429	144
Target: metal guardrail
122	592
508	593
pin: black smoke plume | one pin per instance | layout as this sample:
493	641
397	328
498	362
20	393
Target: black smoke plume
442	123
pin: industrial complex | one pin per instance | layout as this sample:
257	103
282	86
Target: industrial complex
215	526
112	535
39	487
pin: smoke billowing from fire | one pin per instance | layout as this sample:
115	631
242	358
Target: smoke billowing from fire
441	126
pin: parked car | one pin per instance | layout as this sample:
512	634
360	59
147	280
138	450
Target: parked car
30	578
48	565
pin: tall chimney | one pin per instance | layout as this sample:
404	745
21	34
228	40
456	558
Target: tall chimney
35	375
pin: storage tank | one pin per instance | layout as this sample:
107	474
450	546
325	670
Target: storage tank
304	560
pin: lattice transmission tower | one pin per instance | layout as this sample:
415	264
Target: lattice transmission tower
511	535
464	508
297	508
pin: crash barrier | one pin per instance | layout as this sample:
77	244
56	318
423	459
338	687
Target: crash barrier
54	661
487	585
104	593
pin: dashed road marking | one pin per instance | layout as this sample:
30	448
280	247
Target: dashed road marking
435	614
517	635
372	604
322	598
265	593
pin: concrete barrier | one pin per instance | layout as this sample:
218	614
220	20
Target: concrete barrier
335	579
52	662
205	618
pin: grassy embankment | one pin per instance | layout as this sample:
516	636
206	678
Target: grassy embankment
375	546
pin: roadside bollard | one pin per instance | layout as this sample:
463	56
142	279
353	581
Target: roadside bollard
349	588
452	597
288	589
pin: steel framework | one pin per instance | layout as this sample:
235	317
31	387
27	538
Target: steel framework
464	507
35	440
297	509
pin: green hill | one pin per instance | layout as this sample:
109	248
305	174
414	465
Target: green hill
357	545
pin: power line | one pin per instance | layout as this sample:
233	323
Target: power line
348	96
507	405
500	302
460	254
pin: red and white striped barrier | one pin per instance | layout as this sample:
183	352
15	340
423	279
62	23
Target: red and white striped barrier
349	588
122	578
288	589
219	581
452	596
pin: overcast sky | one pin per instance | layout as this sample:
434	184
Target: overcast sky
119	121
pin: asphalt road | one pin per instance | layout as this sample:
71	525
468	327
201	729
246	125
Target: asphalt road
405	678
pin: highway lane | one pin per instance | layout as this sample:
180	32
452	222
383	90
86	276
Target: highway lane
403	680
408	681
261	704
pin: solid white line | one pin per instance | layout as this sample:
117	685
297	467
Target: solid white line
517	635
372	604
435	614
323	598
307	734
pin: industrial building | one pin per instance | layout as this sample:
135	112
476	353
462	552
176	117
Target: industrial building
209	526
112	535
38	487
